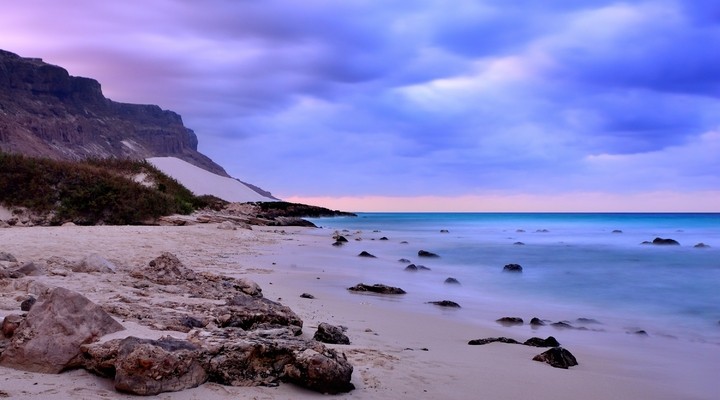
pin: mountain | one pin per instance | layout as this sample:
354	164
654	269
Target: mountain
45	112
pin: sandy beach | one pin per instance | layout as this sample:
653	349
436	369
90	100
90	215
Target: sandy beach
401	348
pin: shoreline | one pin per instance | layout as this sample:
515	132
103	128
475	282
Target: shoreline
387	334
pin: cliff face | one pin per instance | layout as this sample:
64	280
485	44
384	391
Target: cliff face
45	112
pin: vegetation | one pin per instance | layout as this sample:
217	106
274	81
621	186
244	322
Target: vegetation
274	209
94	191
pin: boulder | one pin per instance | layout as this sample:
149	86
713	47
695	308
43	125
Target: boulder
366	254
535	321
376	288
665	242
332	334
250	313
27	304
384	238
7	257
540	342
558	357
452	281
94	263
509	321
512	268
445	303
307	296
164	270
423	253
53	330
478	342
562	325
322	371
411	268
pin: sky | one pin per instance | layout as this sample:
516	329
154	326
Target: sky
418	105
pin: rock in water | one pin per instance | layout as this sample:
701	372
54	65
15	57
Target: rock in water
332	334
51	334
366	254
509	321
423	253
452	281
479	342
445	303
512	268
539	342
558	357
665	242
376	288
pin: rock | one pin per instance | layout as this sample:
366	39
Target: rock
164	270
584	320
53	330
423	253
227	226
562	325
10	324
376	288
452	281
27	304
444	231
324	372
404	260
542	231
520	231
251	313
341	239
327	333
384	238
512	268
479	342
540	342
412	268
423	268
445	303
641	332
338	243
617	231
665	242
69	223
366	254
519	244
192	322
404	242
94	263
307	296
701	246
558	357
29	269
7	257
510	321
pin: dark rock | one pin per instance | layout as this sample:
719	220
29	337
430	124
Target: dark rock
641	332
338	243
562	325
250	313
542	231
29	269
383	238
376	288
645	242
307	296
327	333
366	254
701	246
479	342
444	231
423	253
341	239
510	321
452	281
404	260
512	268
53	330
404	242
422	268
617	231
520	231
540	342
445	303
536	322
10	324
192	322
583	320
411	267
27	304
7	257
665	242
557	357
519	243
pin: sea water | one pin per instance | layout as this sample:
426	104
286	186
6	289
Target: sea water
589	265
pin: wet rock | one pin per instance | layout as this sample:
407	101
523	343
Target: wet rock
51	334
445	303
338	243
640	332
452	281
479	342
376	288
701	246
411	267
7	257
422	268
540	342
307	296
512	268
384	238
423	253
557	357
520	231
404	242
510	321
536	322
94	263
542	231
27	304
444	231
404	260
164	270
332	334
366	254
665	242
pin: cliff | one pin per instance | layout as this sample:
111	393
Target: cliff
45	112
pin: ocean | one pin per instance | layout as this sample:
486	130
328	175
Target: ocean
590	266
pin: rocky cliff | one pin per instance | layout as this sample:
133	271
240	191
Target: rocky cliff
45	112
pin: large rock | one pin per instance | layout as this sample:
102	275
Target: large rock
424	253
165	270
540	342
665	242
558	357
512	268
51	334
251	313
332	334
376	288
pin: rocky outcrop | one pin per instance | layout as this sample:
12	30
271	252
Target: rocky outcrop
50	335
376	288
45	112
332	334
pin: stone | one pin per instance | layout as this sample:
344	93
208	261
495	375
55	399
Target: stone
540	342
27	304
384	238
51	334
444	231
509	321
512	268
584	320
422	268
366	254
665	242
307	296
7	257
557	357
250	313
341	239
535	321
164	270
376	288
452	281
227	226
424	253
411	268
701	246
29	269
10	324
404	260
562	325
479	342
519	244
617	231
94	263
445	303
331	334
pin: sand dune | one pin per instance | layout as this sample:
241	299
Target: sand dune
202	182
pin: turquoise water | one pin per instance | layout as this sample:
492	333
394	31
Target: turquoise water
568	260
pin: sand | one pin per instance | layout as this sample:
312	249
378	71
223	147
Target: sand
401	348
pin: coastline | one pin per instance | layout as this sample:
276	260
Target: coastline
388	334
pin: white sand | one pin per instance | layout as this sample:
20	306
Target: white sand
387	333
202	182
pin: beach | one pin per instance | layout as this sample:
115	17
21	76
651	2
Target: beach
401	347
